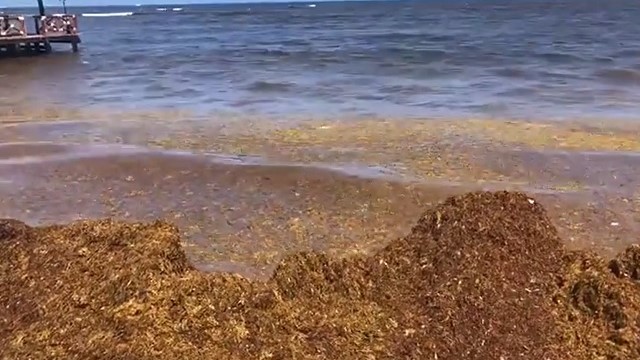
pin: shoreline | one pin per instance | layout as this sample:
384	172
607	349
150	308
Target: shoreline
171	248
238	177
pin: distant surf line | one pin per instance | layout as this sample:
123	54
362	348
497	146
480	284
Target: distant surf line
114	14
126	13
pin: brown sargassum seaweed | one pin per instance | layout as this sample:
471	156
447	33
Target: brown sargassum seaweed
481	276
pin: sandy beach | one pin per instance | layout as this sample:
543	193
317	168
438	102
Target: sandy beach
163	235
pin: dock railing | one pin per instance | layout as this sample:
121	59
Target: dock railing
12	25
15	37
57	25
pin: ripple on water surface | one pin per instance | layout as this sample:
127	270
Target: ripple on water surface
467	54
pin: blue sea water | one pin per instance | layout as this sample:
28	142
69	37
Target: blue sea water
481	58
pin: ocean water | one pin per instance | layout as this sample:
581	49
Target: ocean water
483	58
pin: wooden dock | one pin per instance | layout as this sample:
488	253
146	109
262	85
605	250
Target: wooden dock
17	38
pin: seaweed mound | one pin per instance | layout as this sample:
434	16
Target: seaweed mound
480	268
481	276
601	308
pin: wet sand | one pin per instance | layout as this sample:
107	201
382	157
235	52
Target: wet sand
245	193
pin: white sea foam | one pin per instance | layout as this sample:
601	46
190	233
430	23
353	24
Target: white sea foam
114	14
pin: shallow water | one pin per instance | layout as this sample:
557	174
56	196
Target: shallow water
533	59
242	215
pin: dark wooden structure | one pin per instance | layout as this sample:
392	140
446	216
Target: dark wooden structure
17	38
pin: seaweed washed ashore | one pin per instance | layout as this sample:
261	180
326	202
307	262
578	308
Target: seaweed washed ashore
480	276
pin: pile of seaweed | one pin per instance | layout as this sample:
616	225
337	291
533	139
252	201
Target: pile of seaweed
481	276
